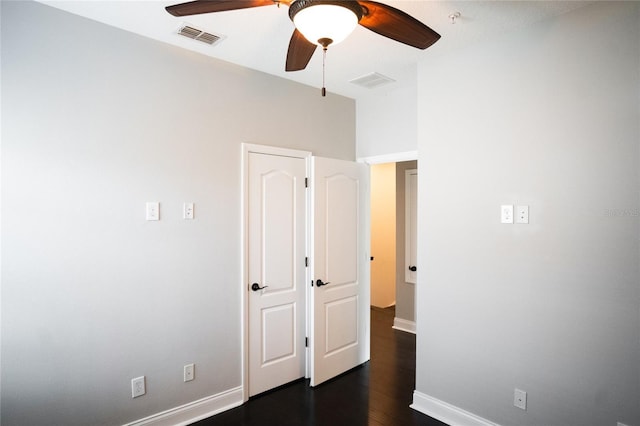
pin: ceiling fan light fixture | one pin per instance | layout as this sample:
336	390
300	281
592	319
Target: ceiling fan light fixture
325	22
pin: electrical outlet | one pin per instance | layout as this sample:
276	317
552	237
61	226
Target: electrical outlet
189	372
138	387
187	211
520	399
153	210
506	213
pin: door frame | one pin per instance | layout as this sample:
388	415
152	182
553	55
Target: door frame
398	157
248	148
407	223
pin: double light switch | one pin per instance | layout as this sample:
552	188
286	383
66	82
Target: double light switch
508	215
153	210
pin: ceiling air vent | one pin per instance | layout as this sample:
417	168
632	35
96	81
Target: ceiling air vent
196	34
372	80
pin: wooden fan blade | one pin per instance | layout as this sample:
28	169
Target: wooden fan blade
209	6
396	25
299	53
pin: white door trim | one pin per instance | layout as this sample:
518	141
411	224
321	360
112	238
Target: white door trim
409	231
396	157
244	312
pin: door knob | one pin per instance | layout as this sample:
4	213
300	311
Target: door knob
413	268
256	287
319	283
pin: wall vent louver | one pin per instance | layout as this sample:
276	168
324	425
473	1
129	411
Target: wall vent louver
372	80
196	34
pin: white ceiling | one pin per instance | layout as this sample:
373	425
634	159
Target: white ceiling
258	38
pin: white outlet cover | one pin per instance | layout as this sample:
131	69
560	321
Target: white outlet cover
520	399
138	387
189	372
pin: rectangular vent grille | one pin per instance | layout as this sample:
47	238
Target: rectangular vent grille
372	80
196	34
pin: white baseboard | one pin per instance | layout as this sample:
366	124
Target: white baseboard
447	413
404	325
194	411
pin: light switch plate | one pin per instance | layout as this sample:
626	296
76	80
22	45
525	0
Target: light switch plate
506	213
522	214
187	211
153	210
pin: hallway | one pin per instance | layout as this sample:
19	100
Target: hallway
377	393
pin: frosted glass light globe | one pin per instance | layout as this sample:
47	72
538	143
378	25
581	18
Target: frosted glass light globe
325	21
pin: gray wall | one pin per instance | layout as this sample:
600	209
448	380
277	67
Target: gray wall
95	122
547	117
405	292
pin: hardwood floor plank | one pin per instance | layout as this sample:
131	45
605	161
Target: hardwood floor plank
378	393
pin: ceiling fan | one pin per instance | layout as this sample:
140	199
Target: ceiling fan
326	22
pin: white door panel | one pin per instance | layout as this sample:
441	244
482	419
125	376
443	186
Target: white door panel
340	264
285	309
341	318
279	330
341	219
277	214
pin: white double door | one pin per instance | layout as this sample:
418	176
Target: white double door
307	268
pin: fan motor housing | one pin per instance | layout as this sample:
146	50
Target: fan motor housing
298	5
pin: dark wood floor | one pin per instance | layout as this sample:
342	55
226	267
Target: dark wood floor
377	393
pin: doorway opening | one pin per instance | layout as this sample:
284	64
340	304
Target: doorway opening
393	216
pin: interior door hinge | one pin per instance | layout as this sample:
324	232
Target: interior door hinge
306	182
306	342
306	262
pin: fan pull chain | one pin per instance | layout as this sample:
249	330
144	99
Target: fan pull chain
324	59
